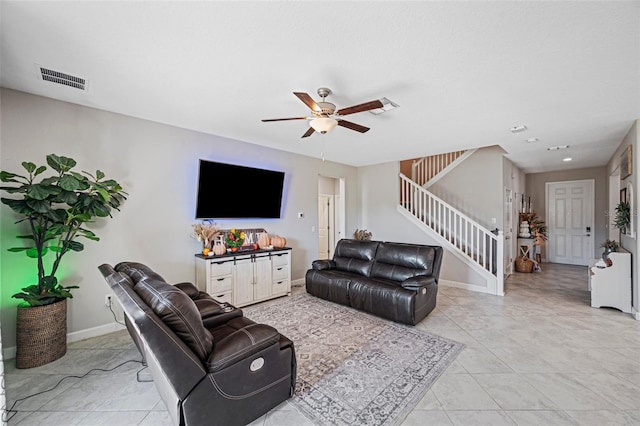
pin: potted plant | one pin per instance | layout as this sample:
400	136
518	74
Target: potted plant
609	246
622	219
56	210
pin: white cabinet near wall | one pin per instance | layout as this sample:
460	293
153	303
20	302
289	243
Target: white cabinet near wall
246	277
611	286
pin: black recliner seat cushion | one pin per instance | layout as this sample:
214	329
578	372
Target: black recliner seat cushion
178	312
330	285
383	298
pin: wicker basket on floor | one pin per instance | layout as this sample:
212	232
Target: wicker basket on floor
41	334
524	264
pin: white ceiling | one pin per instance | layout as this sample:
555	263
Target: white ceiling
463	73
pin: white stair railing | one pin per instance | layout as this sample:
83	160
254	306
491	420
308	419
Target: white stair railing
482	247
424	169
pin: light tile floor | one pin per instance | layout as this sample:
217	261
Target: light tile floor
540	355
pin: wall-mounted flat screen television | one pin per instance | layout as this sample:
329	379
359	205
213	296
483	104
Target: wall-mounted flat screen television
229	191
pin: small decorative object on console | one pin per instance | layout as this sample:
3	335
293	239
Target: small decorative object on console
205	233
278	241
263	240
219	248
235	238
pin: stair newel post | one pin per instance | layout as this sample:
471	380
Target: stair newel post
500	264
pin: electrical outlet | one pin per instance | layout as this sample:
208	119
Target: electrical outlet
108	300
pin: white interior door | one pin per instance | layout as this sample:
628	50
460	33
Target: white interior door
570	221
508	231
324	221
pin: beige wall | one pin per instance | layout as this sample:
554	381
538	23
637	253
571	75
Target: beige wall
629	242
157	165
536	183
476	187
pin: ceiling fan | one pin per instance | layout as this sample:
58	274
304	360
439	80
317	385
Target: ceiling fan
324	116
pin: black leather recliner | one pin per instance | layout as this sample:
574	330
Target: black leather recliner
210	363
396	281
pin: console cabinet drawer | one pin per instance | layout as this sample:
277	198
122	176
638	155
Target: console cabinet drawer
280	259
220	284
221	268
280	273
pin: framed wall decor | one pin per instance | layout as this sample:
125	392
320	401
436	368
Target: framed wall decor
626	165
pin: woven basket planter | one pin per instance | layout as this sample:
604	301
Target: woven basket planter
524	264
41	334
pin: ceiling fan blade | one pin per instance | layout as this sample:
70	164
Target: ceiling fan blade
367	106
304	97
283	119
352	126
308	132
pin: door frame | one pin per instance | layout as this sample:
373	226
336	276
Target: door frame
339	211
592	184
509	211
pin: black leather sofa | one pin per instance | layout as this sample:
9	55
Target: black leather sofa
210	363
396	281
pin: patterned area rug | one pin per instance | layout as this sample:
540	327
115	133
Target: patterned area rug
355	368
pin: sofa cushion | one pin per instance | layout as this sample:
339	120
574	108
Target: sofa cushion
178	312
355	256
384	298
398	261
330	285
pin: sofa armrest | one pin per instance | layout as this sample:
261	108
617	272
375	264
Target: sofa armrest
419	283
241	344
319	265
212	319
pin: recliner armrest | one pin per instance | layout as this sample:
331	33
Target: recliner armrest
321	264
241	345
188	288
418	283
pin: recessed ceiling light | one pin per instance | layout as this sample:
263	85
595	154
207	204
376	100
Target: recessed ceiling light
386	106
531	140
567	159
555	148
518	129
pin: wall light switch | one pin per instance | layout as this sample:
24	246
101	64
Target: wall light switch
313	229
493	221
300	215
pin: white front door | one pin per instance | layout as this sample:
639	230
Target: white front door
570	221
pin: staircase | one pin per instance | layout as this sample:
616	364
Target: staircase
428	170
475	245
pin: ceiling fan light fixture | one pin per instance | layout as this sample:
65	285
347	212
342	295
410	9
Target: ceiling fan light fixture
323	124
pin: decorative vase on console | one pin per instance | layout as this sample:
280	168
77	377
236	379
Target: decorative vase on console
524	230
219	247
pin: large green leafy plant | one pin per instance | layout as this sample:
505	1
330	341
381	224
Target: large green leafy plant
57	209
622	219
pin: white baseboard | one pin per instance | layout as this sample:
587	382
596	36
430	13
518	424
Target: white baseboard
76	336
635	313
465	286
298	283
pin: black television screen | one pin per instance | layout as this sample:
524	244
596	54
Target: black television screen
228	191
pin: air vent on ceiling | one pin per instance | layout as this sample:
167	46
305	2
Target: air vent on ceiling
62	78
